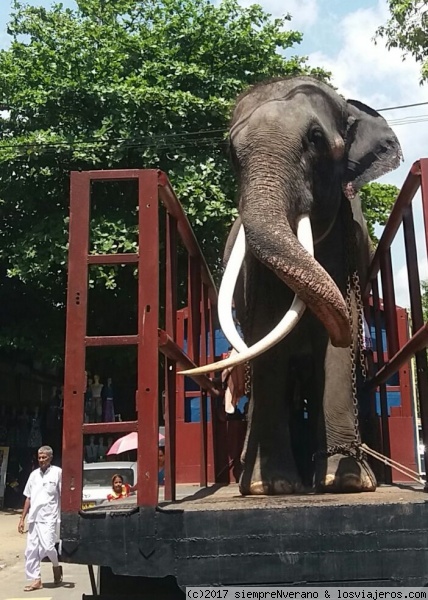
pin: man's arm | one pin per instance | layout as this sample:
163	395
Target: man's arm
24	514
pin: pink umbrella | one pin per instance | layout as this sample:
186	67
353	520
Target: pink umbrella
127	442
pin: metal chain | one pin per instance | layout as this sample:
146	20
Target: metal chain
249	307
353	449
353	360
353	286
247	379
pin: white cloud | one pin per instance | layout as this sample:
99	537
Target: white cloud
380	78
304	13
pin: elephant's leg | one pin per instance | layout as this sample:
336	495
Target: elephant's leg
268	463
336	471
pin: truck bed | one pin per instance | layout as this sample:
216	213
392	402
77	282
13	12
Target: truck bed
191	497
214	536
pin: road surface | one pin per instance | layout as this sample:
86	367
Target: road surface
76	582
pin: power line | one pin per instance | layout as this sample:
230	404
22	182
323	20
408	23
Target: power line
127	144
180	140
398	107
403	106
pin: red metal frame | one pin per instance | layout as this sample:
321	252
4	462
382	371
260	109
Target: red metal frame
399	352
197	439
153	188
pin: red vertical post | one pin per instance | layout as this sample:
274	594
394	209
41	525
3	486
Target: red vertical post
170	366
148	317
424	190
421	356
194	304
171	276
203	361
412	270
386	444
388	294
195	314
180	380
218	463
74	383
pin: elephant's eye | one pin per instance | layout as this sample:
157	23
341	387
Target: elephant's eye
316	137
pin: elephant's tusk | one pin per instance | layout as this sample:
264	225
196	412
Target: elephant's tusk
227	289
284	327
304	233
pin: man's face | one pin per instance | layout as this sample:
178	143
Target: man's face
44	460
161	459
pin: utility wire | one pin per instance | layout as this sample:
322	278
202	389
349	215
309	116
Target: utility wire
183	139
7	108
403	106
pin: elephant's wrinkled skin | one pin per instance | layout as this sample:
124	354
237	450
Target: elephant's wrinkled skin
298	147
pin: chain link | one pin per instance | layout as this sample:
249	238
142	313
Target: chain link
354	449
248	313
247	379
353	360
352	286
355	320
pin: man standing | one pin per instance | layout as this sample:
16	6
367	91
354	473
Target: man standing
42	504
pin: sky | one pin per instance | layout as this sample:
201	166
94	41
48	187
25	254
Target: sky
338	35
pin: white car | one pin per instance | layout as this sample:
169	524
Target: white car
97	480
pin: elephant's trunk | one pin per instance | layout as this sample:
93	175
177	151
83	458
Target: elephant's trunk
269	202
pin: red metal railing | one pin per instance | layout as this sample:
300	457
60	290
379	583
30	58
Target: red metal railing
396	357
153	189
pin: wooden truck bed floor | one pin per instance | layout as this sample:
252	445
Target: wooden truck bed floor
216	537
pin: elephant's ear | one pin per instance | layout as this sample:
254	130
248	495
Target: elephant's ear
373	148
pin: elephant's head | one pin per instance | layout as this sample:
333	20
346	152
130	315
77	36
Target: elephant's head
297	147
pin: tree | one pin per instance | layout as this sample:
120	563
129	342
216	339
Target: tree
424	292
407	29
116	84
377	201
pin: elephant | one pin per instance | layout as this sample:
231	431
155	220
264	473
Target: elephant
296	264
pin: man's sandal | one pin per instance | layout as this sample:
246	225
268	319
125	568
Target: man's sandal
32	587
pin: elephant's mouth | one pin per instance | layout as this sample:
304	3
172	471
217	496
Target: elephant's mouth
227	288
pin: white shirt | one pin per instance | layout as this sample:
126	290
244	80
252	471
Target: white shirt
44	492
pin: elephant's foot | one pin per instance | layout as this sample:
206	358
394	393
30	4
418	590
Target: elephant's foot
273	487
343	475
269	484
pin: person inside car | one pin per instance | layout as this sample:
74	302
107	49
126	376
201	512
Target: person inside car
119	488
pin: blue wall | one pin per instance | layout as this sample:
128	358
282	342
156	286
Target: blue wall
192	406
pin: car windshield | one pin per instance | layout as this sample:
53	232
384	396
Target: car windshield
102	477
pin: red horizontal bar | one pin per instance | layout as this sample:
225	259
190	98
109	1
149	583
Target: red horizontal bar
114	175
170	349
173	206
111	340
417	342
404	198
114	427
112	259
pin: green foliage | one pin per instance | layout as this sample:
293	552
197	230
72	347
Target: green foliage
120	84
424	290
377	201
407	29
